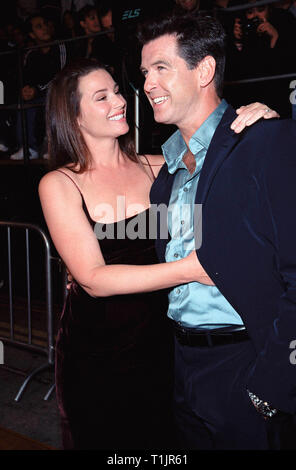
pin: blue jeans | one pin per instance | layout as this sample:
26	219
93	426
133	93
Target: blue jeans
31	114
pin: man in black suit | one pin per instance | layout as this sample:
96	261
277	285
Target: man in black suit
235	382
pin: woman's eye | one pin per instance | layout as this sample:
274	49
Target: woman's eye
101	98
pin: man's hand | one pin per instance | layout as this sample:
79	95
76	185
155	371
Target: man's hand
267	28
251	113
237	29
28	92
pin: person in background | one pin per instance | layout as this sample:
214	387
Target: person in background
75	5
261	47
191	6
99	47
40	66
106	17
68	25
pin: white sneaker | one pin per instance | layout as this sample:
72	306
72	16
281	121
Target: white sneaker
19	155
3	147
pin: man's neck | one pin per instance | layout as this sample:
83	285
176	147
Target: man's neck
189	127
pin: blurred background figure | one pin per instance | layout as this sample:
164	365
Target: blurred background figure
287	5
68	29
100	47
40	66
106	17
75	5
192	6
261	46
25	8
263	37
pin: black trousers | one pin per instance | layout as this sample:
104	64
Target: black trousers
212	407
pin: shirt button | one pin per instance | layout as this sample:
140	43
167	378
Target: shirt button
182	222
176	255
185	189
178	291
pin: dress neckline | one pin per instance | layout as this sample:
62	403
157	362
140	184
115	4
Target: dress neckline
111	223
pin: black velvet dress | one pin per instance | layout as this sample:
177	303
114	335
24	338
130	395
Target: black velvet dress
114	360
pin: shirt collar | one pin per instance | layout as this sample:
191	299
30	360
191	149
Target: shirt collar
175	147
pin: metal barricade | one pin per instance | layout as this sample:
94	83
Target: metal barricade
49	349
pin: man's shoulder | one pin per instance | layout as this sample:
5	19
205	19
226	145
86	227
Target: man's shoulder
275	128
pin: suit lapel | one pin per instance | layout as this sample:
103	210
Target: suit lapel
222	142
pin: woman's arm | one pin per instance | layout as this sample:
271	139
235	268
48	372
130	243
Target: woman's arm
79	248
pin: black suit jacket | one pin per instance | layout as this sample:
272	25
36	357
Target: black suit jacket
247	189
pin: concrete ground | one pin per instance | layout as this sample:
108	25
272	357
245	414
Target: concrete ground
31	416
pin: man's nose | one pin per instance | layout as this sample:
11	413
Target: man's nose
149	83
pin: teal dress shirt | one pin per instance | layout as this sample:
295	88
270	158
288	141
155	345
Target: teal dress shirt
193	305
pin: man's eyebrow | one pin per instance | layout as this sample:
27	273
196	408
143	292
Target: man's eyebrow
157	62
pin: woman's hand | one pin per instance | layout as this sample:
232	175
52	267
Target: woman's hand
197	271
251	113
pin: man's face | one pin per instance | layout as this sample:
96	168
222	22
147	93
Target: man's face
171	88
258	12
91	23
187	4
40	30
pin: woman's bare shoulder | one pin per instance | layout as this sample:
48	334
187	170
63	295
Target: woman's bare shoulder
58	180
154	160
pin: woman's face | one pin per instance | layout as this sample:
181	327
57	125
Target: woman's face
102	107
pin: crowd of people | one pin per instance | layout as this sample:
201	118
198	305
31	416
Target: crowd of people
259	43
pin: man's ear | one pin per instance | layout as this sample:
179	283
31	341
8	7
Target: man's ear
207	68
82	24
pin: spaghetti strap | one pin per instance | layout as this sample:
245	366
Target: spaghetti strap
84	206
72	181
153	175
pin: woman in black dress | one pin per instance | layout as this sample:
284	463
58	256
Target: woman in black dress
114	350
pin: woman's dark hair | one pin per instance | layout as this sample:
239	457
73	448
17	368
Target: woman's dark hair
197	36
66	144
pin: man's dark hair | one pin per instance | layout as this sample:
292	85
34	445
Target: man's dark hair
197	37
